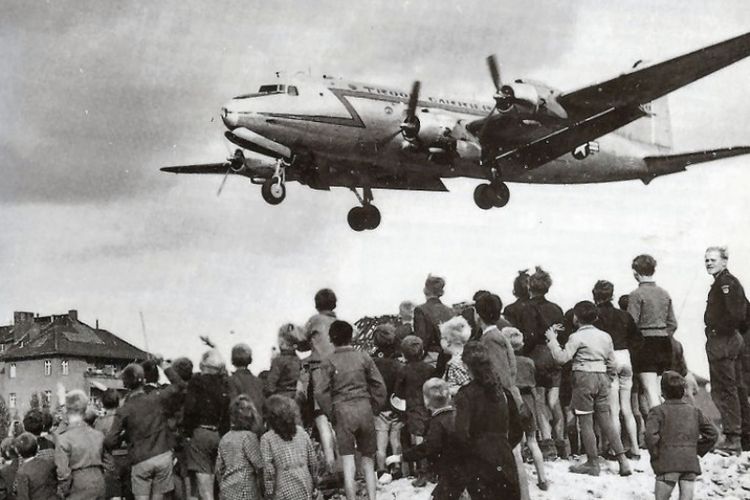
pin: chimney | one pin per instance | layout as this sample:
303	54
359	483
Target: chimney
21	317
73	314
97	323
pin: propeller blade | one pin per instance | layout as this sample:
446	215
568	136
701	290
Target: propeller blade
411	109
494	72
223	181
385	140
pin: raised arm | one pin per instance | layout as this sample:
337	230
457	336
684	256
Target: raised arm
561	356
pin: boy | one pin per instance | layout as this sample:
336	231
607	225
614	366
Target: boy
116	463
34	422
387	423
356	391
36	477
285	368
676	433
440	446
593	358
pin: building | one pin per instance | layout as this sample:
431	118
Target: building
37	353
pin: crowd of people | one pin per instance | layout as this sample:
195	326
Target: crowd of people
456	396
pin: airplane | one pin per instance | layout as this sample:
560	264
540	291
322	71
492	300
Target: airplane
328	132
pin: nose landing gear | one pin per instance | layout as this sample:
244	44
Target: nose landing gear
365	217
273	190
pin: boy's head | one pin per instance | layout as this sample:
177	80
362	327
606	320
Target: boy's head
243	414
623	301
406	310
340	333
603	291
132	376
212	362
8	448
672	385
434	286
513	335
150	371
183	367
290	335
521	285
325	300
33	422
242	355
540	282
413	348
488	308
585	313
436	393
384	338
454	334
76	402
26	445
110	399
644	265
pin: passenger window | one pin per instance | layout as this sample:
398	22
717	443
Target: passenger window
292	90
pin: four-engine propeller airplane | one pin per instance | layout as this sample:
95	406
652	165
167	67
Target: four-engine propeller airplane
334	133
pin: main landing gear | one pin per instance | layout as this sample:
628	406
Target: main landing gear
495	194
273	190
365	217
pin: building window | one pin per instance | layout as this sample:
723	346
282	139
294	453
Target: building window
64	366
47	367
2	347
48	398
12	400
12	370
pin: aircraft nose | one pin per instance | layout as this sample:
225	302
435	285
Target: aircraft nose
229	116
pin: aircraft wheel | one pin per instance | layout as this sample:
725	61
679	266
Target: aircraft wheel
500	194
483	196
273	191
357	219
372	216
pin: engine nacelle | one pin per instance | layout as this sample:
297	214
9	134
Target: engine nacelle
436	130
523	94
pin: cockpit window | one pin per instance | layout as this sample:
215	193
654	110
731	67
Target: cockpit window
272	89
292	90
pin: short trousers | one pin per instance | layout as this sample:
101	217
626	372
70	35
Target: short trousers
530	400
654	355
385	421
417	417
153	476
590	392
87	484
673	477
117	476
355	428
548	372
624	379
202	450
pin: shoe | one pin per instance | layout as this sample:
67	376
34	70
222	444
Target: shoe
608	455
730	445
591	469
632	455
419	482
625	469
385	478
561	445
543	485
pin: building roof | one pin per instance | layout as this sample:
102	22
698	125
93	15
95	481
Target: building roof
63	335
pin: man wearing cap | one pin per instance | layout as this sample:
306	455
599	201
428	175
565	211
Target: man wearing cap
726	319
429	316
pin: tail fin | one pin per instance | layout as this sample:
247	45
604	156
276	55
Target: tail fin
671	164
655	129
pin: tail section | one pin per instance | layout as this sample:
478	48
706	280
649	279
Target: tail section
655	129
671	164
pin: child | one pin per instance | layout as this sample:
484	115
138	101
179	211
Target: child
353	390
676	433
116	463
593	356
9	468
409	388
526	382
35	422
35	479
454	334
289	461
239	463
440	446
388	425
285	368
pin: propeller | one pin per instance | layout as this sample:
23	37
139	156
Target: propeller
233	161
504	95
409	128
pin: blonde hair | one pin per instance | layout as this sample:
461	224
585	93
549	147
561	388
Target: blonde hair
514	336
437	392
456	331
76	401
721	250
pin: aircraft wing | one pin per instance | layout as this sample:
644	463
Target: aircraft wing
203	168
644	85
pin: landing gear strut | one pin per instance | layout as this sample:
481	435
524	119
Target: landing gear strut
273	190
365	217
495	194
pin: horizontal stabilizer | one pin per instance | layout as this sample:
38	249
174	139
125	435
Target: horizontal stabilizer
670	164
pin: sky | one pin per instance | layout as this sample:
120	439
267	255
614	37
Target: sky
97	96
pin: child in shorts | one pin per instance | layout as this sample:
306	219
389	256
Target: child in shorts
676	434
388	424
526	382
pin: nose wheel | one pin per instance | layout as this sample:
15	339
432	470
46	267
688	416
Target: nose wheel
365	217
273	190
487	196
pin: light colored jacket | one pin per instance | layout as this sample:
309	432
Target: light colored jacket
590	349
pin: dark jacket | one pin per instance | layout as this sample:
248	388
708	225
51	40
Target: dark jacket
206	403
676	433
390	369
619	325
348	375
7	479
283	375
142	423
242	381
726	308
534	318
36	480
441	447
409	385
427	320
488	425
514	312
